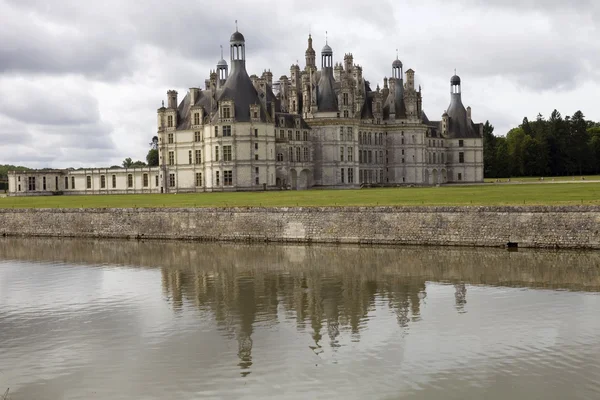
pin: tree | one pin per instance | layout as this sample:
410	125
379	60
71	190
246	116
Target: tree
127	162
138	164
489	150
152	158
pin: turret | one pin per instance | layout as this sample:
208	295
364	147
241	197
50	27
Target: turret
222	71
348	62
310	54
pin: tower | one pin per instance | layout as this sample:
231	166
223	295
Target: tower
310	54
222	71
237	47
326	56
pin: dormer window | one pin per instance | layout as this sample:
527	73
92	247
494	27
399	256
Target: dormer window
255	114
281	122
196	118
297	123
226	112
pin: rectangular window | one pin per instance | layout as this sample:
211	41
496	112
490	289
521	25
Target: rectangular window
66	182
196	118
171	180
350	175
298	135
291	154
459	176
255	135
217	178
306	154
290	135
342	175
198	178
88	182
255	146
197	137
72	182
216	153
349	136
228	178
226	155
381	156
129	180
279	156
341	154
305	136
227	130
461	143
298	154
170	121
170	138
171	158
198	157
156	180
44	183
216	131
345	101
226	112
31	182
102	182
114	181
257	178
190	157
360	176
350	152
370	157
282	134
360	160
461	157
146	181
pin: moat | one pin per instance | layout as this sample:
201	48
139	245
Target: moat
111	319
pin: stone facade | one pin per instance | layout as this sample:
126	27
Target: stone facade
551	227
320	127
84	181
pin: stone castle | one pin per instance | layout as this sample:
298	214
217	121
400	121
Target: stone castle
320	127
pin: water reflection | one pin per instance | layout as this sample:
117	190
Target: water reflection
379	312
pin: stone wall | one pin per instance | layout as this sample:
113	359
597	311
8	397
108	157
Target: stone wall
560	227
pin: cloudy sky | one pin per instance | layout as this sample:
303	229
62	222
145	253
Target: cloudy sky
80	81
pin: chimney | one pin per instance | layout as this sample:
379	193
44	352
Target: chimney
172	98
194	94
469	113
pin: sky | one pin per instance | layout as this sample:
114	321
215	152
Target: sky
80	82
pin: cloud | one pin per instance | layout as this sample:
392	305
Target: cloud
81	81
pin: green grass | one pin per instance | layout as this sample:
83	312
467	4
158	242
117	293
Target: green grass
529	194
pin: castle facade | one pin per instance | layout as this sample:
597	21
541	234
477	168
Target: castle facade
323	126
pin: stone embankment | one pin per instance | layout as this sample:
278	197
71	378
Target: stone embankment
532	226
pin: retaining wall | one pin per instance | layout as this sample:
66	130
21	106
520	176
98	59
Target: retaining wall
554	227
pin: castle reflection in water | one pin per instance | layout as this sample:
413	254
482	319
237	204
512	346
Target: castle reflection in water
326	290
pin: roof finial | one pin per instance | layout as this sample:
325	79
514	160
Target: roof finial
454	71
396	54
221	51
326	37
163	103
236	27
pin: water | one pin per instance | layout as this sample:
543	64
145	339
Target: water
84	319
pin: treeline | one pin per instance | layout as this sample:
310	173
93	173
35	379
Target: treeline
555	146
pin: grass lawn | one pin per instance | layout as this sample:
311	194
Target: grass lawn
529	194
